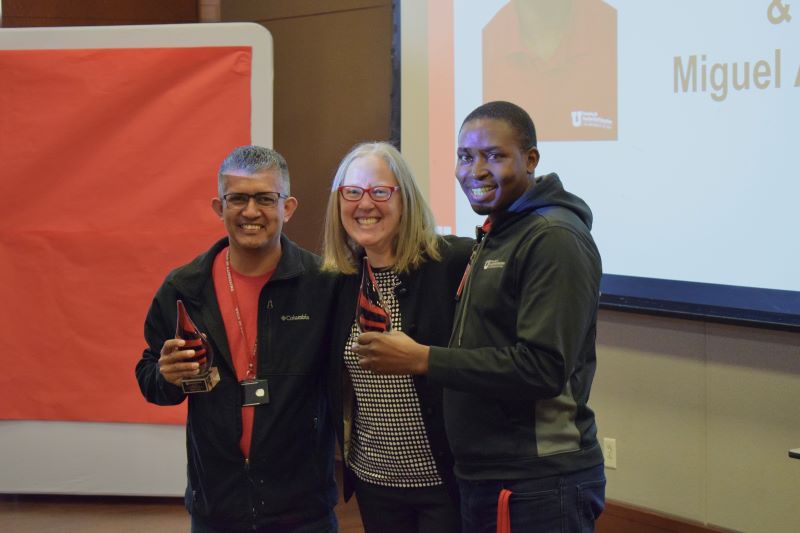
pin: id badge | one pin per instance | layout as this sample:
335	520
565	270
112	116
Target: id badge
254	392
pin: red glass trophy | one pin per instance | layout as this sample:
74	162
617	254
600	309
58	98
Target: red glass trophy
208	376
371	311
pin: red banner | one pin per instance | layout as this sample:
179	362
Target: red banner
108	162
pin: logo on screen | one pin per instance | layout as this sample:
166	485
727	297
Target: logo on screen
591	119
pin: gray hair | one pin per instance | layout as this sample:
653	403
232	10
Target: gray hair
252	160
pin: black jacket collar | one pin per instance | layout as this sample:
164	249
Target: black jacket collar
192	279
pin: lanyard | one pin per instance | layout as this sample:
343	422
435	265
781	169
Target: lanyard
251	365
480	233
461	311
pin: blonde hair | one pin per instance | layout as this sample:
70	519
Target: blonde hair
416	239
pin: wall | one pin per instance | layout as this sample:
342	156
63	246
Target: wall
29	13
703	415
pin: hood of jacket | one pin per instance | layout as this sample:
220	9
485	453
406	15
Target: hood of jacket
547	191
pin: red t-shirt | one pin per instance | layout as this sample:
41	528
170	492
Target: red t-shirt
248	289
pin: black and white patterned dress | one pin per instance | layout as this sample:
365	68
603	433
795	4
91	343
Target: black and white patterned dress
389	445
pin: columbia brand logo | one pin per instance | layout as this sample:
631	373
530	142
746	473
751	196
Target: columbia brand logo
493	263
286	318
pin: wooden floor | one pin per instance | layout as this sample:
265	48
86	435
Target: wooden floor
85	514
95	514
92	514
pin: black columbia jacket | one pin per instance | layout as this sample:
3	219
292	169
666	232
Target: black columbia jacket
290	476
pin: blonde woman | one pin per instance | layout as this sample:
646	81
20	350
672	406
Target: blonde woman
390	428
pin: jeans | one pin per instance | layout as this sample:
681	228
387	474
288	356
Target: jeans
556	504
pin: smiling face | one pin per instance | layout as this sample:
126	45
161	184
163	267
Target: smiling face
492	169
372	225
252	228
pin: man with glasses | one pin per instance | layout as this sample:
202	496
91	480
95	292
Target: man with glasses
260	445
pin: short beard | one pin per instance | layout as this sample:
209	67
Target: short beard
482	209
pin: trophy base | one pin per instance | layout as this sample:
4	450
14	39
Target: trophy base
202	383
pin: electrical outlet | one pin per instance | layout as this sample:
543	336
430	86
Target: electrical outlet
610	453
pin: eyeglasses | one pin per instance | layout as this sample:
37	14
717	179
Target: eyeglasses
239	200
380	193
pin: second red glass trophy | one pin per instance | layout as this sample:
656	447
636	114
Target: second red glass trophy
372	313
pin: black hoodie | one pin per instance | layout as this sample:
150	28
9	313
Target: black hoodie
522	357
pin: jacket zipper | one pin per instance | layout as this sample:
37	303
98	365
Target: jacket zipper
270	326
247	460
266	348
252	504
459	329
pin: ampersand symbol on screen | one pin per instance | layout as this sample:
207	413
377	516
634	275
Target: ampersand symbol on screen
778	12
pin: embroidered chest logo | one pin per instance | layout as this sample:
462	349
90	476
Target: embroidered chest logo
291	318
493	263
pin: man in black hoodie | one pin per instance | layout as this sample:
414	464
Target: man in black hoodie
521	359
